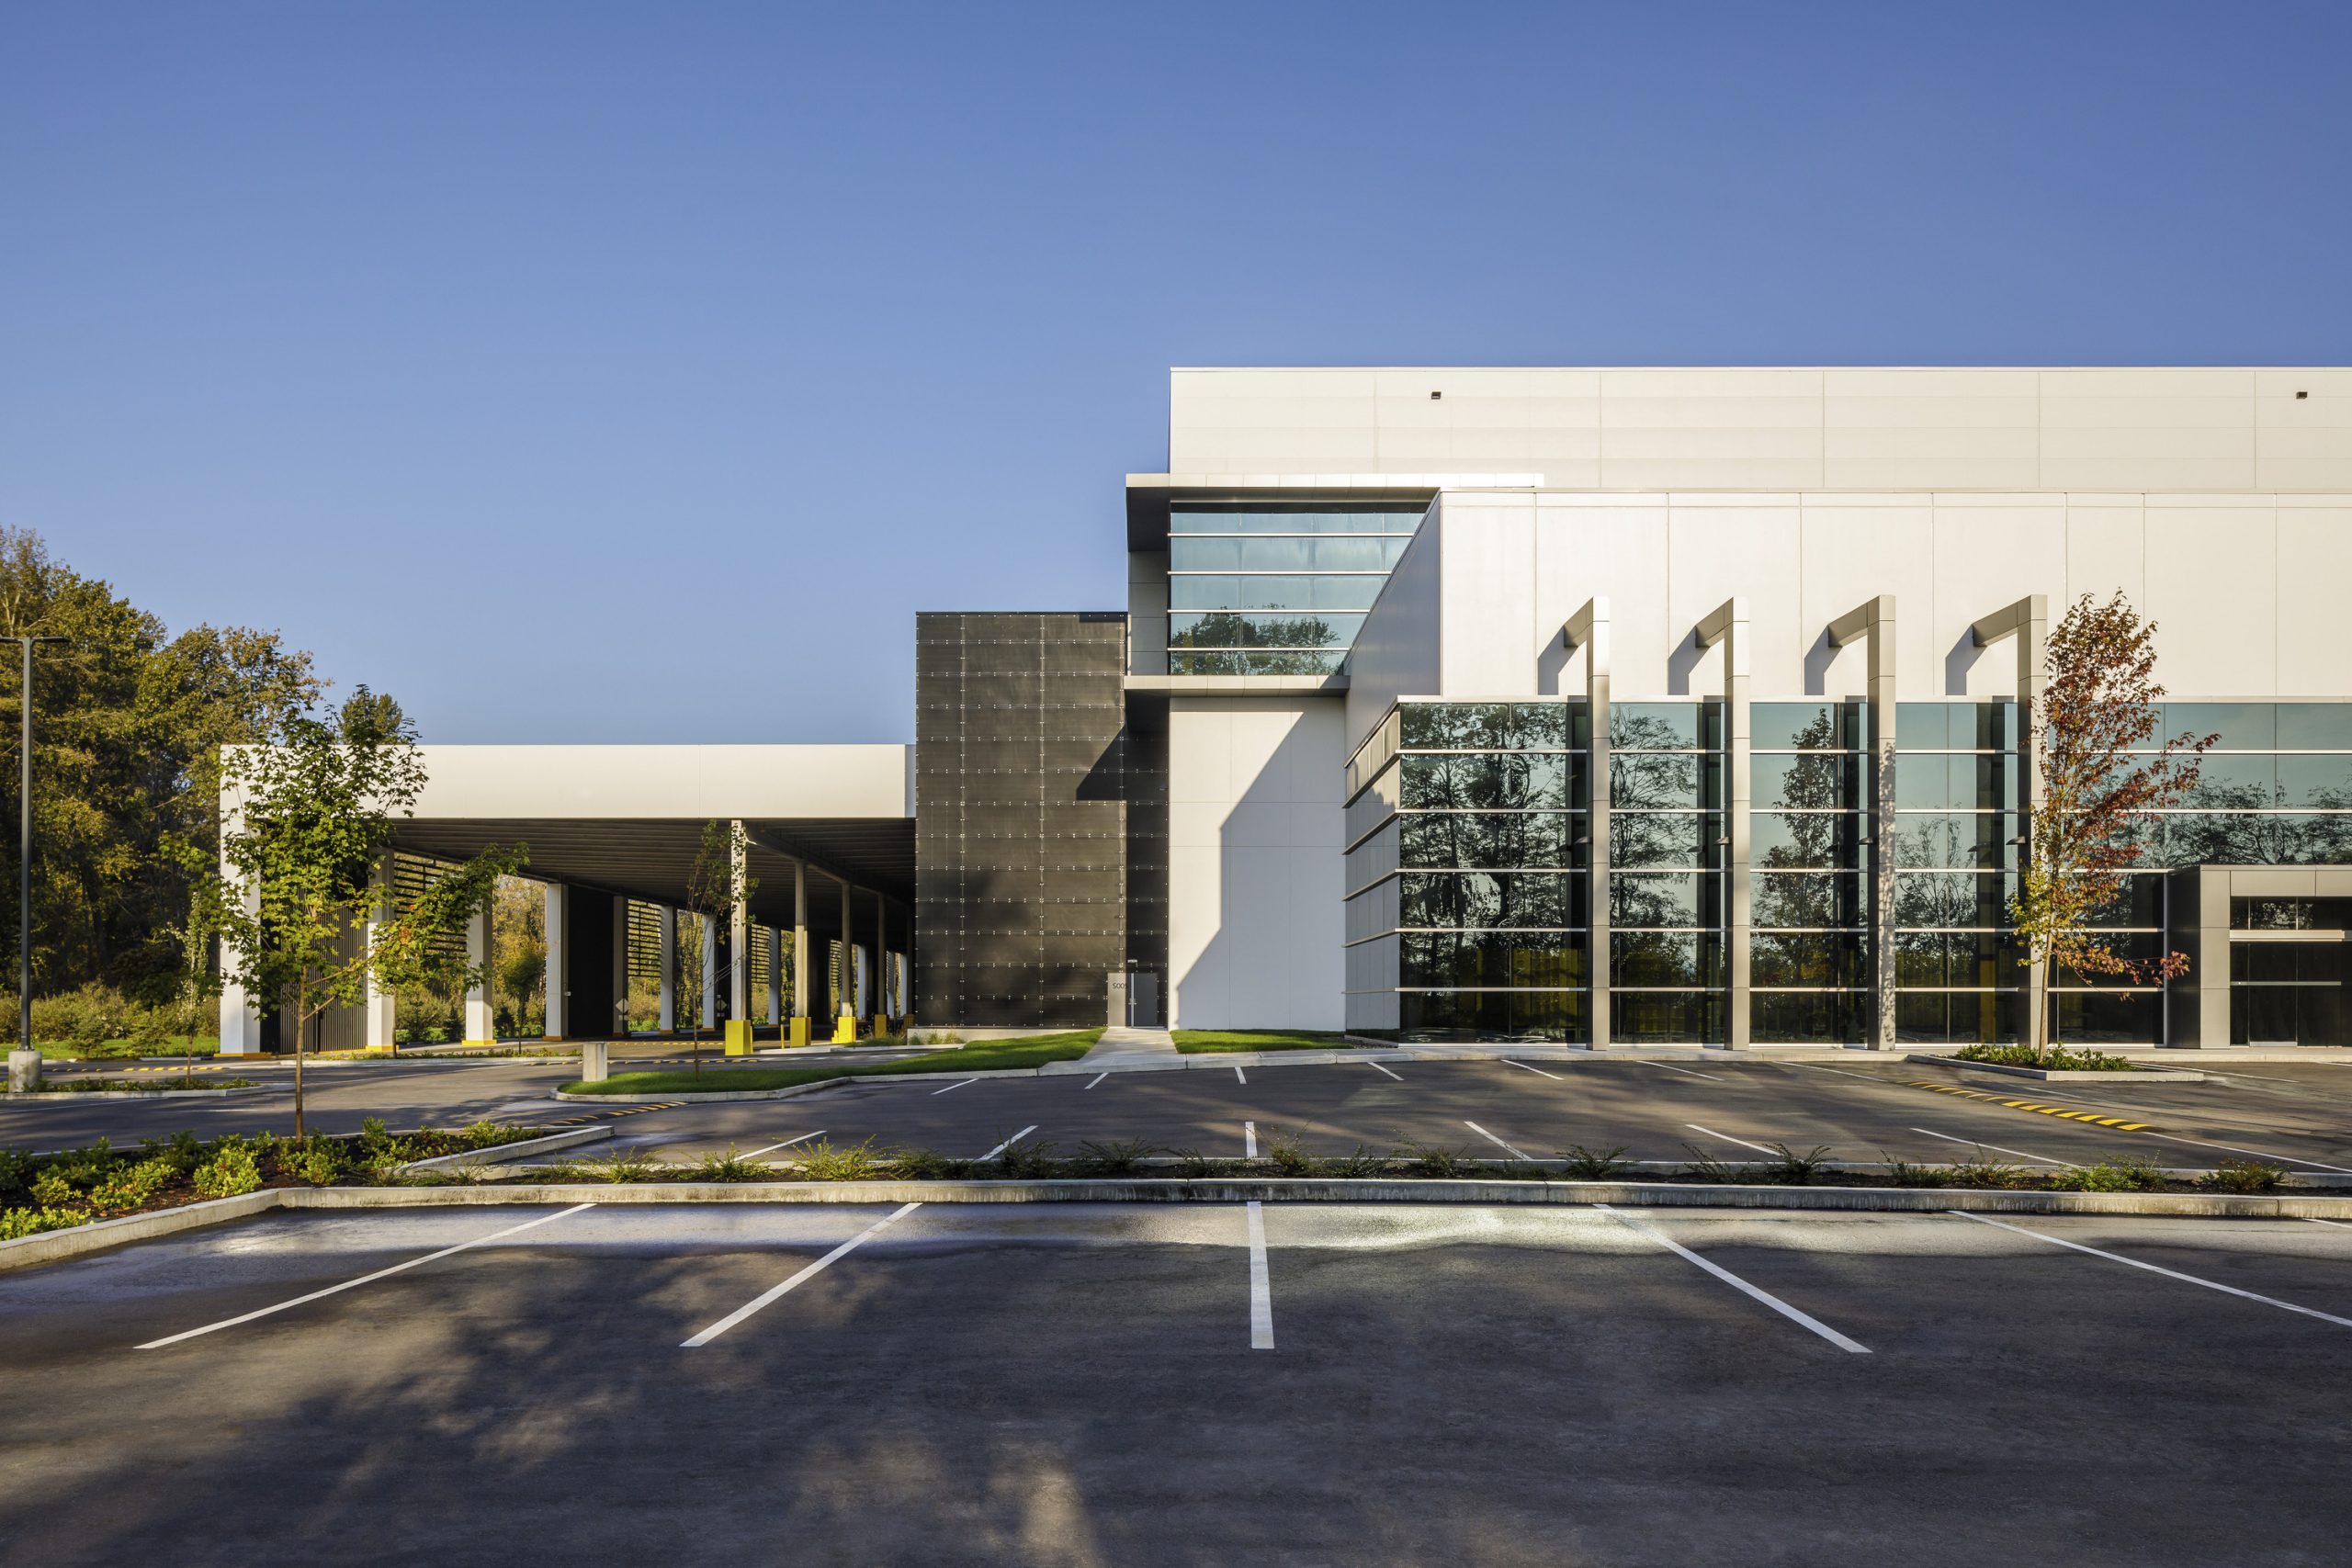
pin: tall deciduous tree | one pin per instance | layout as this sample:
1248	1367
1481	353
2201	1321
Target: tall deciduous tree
2101	778
313	815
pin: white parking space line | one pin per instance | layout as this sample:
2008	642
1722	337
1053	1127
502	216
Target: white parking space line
364	1279
1249	1140
1010	1142
1689	1072
1728	1278
1240	1076
1524	1067
1728	1138
1096	1080
2337	1225
1376	1067
766	1296
1841	1072
2156	1269
952	1088
1492	1139
785	1144
2234	1149
1261	1294
1997	1148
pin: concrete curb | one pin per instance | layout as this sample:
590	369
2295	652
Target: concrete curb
98	1235
691	1097
2070	1075
498	1153
70	1097
54	1246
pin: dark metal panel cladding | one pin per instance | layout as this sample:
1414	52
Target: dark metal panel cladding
1030	794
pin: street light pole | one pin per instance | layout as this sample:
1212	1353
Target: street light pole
24	1063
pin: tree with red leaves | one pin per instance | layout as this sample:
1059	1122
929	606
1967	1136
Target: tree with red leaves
2101	780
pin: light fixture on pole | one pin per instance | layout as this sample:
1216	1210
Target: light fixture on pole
24	1063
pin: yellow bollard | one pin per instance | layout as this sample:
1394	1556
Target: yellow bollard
738	1036
798	1031
845	1029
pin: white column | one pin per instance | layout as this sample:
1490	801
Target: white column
1589	629
776	975
1874	621
240	1018
668	959
380	1016
481	1023
559	969
738	926
1728	626
709	971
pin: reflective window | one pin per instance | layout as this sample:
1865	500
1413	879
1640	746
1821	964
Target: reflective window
1227	561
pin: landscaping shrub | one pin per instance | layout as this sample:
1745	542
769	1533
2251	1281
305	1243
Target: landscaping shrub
1287	1155
15	1172
1360	1166
729	1167
1982	1171
624	1165
18	1223
820	1161
1117	1157
1706	1167
1025	1161
1594	1164
927	1164
1793	1169
2060	1058
53	1186
1437	1162
2132	1173
1193	1164
133	1188
2244	1175
231	1170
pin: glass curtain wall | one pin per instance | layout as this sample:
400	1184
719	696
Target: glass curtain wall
1809	786
1665	857
1259	589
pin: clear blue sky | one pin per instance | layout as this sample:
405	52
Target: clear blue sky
584	372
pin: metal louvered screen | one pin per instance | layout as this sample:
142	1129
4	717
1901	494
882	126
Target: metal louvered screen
1024	771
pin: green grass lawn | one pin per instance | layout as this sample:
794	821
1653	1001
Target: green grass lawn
60	1050
1030	1051
1193	1040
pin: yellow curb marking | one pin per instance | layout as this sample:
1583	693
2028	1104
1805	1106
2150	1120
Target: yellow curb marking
2090	1116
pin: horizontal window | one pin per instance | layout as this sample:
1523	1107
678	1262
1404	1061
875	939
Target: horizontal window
1956	727
1805	958
1322	554
2290	963
1224	591
1665	898
2268	839
1665	781
1520	959
1955	840
2089	1017
1807	898
1956	1018
1256	662
1691	839
1938	959
1203	519
1813	780
1494	781
1807	727
1944	899
1261	630
1467	898
1954	782
1555	1015
1791	839
1789	1018
1666	958
1637	1018
1493	726
1534	841
2290	914
1666	727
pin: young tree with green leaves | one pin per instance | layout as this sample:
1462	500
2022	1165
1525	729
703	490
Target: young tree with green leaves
711	892
309	821
2100	780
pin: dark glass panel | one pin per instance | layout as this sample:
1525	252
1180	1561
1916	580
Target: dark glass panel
1663	727
1637	1018
2234	784
2241	727
1804	727
1469	898
2321	782
1794	839
1927	727
1794	900
1956	841
1804	782
1920	959
1943	898
1664	839
2102	1018
1669	898
1664	781
1501	841
1666	958
1805	1017
2315	726
1455	726
1811	958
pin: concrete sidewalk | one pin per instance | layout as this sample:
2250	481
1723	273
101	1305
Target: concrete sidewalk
1128	1048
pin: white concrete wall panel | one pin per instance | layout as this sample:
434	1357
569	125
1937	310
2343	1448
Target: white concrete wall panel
1614	546
1396	654
2213	591
2107	550
1487	620
1256	926
1990	551
1781	428
2315	569
673	782
1850	549
1714	552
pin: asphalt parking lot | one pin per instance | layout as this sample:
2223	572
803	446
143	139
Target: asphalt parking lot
1096	1385
1656	1109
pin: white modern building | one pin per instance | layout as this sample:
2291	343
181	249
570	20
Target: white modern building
1603	706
